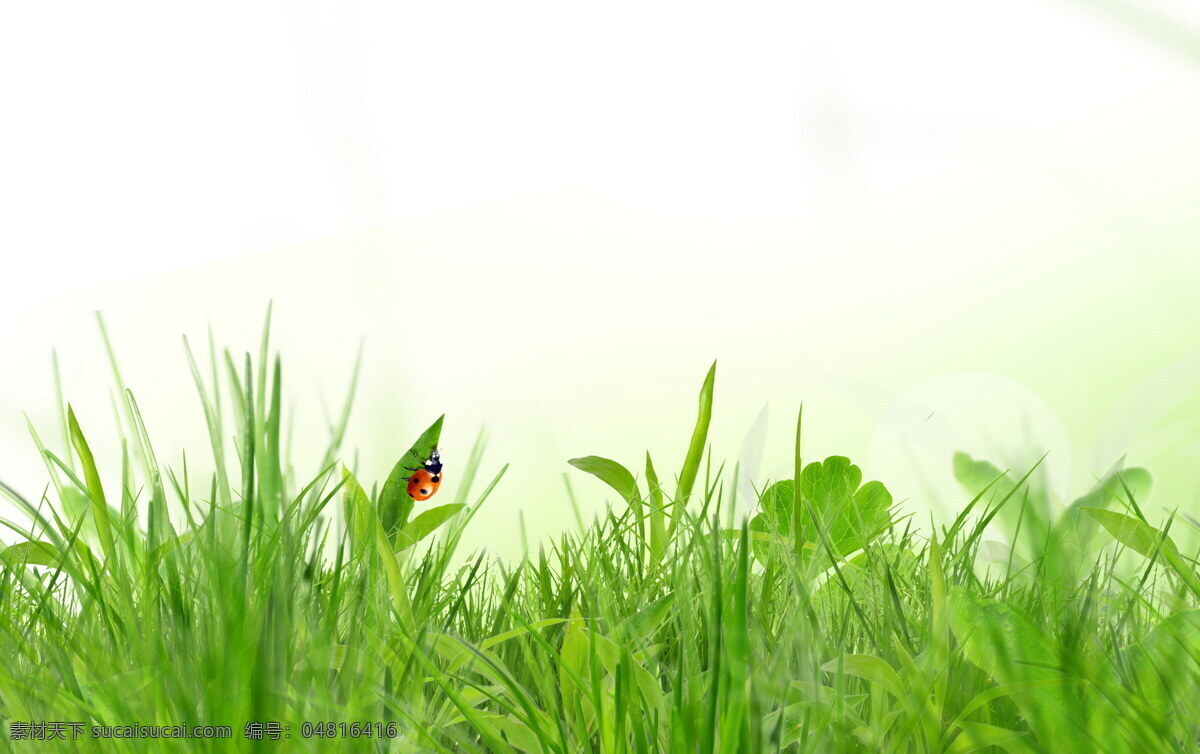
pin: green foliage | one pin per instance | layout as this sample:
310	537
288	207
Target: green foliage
1012	651
31	553
395	505
426	523
611	473
656	628
840	517
695	451
91	476
654	508
1135	534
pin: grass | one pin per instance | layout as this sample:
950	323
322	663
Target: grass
826	623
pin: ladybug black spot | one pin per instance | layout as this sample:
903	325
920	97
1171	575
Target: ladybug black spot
424	492
436	479
412	495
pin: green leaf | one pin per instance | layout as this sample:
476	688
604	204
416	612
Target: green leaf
573	666
1027	513
174	542
939	621
695	453
776	503
395	505
1013	652
425	524
974	474
658	516
829	485
869	515
91	477
458	653
1158	661
1135	533
513	730
1145	539
799	514
642	625
611	473
851	515
356	507
34	553
773	524
873	669
1136	479
976	736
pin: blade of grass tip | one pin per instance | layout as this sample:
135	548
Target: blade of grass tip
249	507
658	516
798	538
574	502
212	418
55	479
264	347
339	430
287	448
949	534
160	527
132	421
92	478
731	508
270	473
35	515
112	360
181	491
1130	498
992	512
214	369
471	467
61	408
237	394
454	535
128	504
695	453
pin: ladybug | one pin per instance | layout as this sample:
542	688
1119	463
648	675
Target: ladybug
424	481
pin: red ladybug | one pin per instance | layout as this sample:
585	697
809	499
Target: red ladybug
424	482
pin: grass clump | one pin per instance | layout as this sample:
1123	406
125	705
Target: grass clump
826	623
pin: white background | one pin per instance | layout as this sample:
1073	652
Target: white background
548	218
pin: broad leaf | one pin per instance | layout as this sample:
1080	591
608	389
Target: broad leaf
611	473
425	524
395	505
873	669
33	553
1135	533
850	515
1011	650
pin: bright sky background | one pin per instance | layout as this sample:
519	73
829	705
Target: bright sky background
548	218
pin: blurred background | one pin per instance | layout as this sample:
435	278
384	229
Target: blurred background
943	226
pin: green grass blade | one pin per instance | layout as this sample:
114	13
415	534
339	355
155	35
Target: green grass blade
695	453
91	476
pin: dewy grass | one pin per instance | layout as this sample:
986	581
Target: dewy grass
320	611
